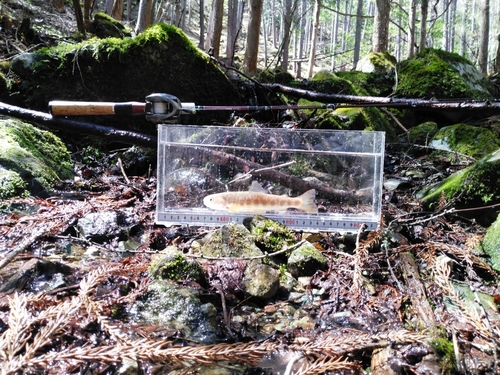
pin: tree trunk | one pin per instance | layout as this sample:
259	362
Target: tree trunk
357	37
215	28
144	17
314	38
232	30
483	37
253	34
202	24
380	41
117	11
424	10
79	16
411	28
287	25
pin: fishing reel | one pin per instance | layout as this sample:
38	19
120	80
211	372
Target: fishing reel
161	107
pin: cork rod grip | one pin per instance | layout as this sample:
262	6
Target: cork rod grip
70	108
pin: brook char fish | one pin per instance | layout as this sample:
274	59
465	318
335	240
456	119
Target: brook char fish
256	202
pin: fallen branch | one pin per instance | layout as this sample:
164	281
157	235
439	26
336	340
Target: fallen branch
376	101
47	120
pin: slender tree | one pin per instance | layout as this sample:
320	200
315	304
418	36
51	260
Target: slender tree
202	24
357	38
144	17
380	40
314	38
484	37
215	28
253	33
424	10
411	27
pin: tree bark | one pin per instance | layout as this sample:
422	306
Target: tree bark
484	37
79	16
253	34
357	34
287	20
314	38
424	10
411	27
215	28
380	41
144	17
202	24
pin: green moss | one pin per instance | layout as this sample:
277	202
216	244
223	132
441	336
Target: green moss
475	185
270	235
491	244
4	89
33	154
175	266
11	184
445	350
423	133
437	74
469	140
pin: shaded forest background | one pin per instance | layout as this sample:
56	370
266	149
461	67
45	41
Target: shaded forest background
327	34
303	36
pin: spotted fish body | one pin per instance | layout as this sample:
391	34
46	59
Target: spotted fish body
255	202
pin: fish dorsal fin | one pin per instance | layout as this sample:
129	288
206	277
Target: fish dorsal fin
257	188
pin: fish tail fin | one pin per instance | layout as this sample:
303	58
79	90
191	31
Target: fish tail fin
308	204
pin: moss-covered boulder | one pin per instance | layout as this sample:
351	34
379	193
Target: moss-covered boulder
474	186
169	305
159	60
434	73
466	139
270	235
423	133
4	90
377	62
345	118
490	244
31	160
172	264
306	260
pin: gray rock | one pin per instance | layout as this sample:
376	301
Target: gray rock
306	260
173	307
23	64
97	226
261	280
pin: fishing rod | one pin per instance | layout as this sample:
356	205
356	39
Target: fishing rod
160	107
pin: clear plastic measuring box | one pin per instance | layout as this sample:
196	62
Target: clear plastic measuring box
312	180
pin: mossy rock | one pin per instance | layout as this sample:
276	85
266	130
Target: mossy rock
422	134
4	88
306	260
491	244
474	186
278	75
270	235
466	139
31	160
434	73
159	60
377	62
173	265
105	26
231	240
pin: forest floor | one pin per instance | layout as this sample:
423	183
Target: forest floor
412	297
